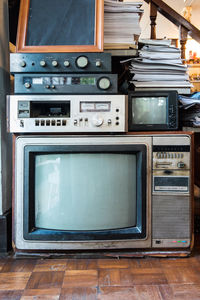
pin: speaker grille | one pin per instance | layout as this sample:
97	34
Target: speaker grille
171	217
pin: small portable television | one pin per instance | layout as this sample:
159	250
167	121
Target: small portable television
153	110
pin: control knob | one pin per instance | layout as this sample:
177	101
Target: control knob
104	83
27	85
82	62
23	64
66	63
54	63
97	120
98	63
42	63
181	165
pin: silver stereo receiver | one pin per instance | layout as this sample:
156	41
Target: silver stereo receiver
60	63
65	83
67	113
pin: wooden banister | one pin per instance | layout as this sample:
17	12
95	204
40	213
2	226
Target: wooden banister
176	18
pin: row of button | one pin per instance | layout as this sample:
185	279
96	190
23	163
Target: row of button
50	122
169	155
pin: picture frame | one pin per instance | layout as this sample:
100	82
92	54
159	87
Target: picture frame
46	27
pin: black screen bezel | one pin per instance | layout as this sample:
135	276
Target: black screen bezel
171	111
137	232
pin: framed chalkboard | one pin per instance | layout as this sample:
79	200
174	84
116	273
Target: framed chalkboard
60	26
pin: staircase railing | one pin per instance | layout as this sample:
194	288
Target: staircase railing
185	27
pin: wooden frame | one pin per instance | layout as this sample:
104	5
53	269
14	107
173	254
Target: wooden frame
23	26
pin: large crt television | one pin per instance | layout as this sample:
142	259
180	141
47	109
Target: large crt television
60	26
95	192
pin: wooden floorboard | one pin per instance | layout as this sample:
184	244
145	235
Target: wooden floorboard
100	279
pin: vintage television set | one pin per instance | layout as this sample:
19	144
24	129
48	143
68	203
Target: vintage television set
71	26
94	192
153	110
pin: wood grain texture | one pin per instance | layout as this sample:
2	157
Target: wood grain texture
45	280
80	278
101	279
83	293
14	280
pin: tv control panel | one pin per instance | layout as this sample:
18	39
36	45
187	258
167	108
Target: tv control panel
171	168
68	113
60	63
173	116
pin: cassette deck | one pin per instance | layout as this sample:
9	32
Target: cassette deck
67	113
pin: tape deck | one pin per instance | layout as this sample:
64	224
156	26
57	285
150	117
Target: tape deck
66	113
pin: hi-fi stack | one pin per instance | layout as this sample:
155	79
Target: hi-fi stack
65	92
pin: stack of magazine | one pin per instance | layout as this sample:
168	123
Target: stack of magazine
121	23
159	67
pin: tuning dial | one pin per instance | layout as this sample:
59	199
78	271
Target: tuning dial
66	63
104	83
82	62
42	63
23	64
27	85
54	63
97	120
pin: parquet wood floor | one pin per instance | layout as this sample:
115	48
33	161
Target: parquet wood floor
100	279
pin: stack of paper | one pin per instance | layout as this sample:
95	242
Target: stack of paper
158	67
121	23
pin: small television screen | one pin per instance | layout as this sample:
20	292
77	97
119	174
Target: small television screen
152	110
60	26
149	110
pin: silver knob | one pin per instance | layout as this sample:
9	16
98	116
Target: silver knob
42	63
54	63
98	63
27	85
104	83
97	120
82	62
66	63
23	64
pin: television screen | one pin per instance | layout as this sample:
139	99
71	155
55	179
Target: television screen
85	191
149	110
